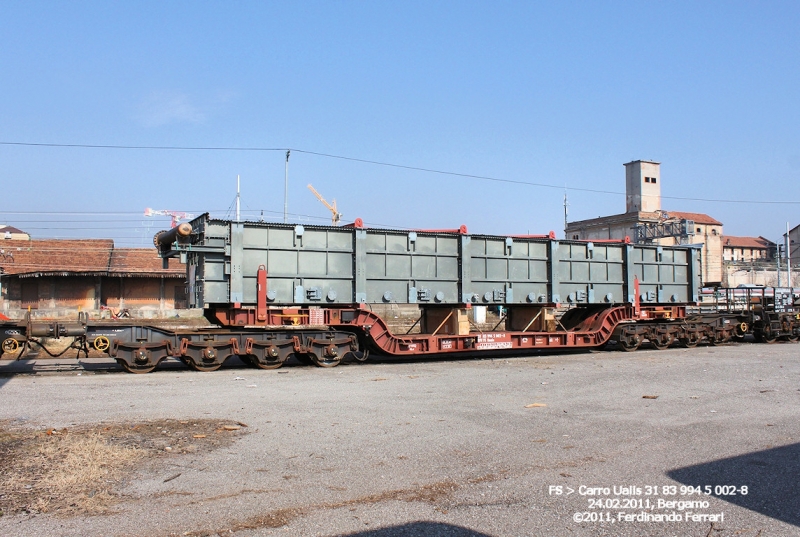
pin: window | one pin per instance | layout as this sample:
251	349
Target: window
646	179
576	237
652	179
699	230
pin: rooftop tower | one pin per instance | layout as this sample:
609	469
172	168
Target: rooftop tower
642	186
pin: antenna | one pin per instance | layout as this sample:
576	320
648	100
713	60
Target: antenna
566	212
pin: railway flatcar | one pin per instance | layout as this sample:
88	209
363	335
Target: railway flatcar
275	292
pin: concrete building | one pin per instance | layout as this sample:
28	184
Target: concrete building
645	221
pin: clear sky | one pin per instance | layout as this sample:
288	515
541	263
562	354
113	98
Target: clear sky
531	93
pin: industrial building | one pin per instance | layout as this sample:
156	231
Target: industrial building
644	221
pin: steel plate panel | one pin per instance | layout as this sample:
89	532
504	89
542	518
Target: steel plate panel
282	263
254	237
423	267
580	272
396	243
496	269
280	238
398	266
312	264
376	265
518	270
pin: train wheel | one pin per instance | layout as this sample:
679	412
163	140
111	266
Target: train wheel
205	359
766	336
140	359
689	342
719	338
661	341
135	368
271	355
629	341
792	339
205	367
329	357
264	364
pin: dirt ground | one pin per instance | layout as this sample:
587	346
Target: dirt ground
77	471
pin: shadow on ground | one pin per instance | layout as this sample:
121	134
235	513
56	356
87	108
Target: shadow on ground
420	529
772	477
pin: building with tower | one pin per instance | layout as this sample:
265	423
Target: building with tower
645	221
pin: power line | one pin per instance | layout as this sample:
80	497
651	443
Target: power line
380	163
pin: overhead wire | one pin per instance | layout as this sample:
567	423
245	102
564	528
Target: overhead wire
380	163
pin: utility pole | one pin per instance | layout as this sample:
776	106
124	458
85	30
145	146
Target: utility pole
565	213
787	247
238	205
286	188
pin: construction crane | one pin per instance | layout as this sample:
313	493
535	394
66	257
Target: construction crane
336	215
176	216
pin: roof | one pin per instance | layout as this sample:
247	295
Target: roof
755	243
641	216
699	218
141	262
642	160
80	257
10	229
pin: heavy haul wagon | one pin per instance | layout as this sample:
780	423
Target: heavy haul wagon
279	291
333	266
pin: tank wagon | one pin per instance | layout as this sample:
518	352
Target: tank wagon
276	291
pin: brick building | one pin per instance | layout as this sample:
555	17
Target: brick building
54	276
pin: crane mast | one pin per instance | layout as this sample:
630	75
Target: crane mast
176	216
336	216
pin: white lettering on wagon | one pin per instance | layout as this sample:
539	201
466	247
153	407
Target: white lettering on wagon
493	341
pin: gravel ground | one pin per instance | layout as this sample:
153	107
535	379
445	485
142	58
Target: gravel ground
447	448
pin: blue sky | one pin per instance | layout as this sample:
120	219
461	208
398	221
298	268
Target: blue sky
551	93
